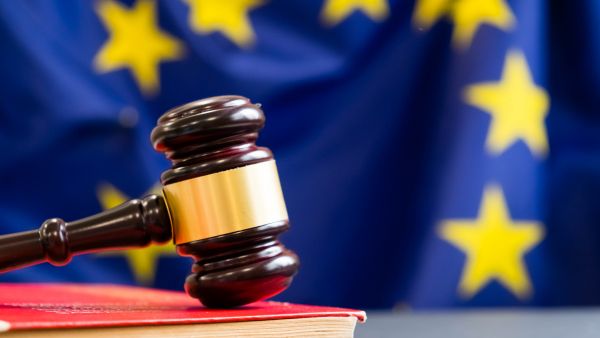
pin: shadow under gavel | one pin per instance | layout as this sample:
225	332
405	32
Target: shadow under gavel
222	205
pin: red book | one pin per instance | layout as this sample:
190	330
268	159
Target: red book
107	310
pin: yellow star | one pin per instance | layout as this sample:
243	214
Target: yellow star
135	42
494	245
335	11
229	17
142	261
467	16
518	107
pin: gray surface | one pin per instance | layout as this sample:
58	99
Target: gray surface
580	323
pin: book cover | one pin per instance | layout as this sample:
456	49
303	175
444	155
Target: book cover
45	306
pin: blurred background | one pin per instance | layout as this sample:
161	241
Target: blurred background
433	153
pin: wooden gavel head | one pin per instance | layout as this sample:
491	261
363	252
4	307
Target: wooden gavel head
225	201
222	205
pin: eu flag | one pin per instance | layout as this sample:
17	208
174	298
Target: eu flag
433	153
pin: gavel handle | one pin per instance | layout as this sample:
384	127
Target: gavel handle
136	223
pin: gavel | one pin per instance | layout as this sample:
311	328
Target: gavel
222	205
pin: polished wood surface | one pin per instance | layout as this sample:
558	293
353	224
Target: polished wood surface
206	137
137	223
241	267
199	138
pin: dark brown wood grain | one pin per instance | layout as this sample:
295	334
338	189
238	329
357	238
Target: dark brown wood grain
206	137
137	223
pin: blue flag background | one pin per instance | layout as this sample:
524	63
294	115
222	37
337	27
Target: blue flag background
432	153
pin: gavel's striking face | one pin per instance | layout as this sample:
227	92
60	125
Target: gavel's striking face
225	201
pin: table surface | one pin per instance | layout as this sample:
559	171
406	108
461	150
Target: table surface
579	323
